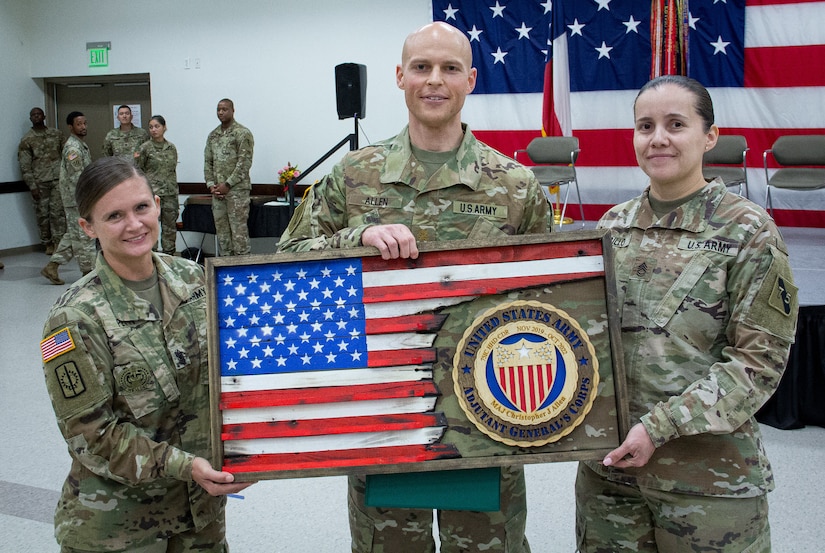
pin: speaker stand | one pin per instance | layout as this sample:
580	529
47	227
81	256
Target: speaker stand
353	145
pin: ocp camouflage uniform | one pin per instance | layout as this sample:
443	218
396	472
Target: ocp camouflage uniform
478	194
228	158
159	162
74	243
132	402
708	315
39	156
124	143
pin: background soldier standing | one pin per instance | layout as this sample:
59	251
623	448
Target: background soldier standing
74	243
39	156
158	159
124	141
226	163
409	188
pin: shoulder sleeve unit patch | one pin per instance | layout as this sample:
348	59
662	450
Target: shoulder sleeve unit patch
776	304
783	296
57	344
70	379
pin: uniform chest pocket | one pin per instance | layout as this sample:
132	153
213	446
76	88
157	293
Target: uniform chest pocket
695	308
485	229
188	346
363	209
138	388
143	378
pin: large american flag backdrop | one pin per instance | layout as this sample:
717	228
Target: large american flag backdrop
338	361
763	61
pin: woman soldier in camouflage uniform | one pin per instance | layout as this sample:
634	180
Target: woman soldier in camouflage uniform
708	313
124	355
158	159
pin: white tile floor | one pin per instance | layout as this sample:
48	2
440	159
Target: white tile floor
309	515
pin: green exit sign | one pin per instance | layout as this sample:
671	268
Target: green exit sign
98	57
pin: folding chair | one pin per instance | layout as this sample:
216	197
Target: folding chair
728	161
555	165
795	155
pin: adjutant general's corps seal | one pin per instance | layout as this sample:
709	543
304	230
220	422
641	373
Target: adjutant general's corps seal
525	373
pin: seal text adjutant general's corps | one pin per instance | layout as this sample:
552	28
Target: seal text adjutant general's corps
525	373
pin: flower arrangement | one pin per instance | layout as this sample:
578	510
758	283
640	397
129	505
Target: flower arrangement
288	173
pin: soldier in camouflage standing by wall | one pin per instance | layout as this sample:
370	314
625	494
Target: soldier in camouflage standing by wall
708	313
125	140
125	362
75	243
226	163
39	156
158	159
434	181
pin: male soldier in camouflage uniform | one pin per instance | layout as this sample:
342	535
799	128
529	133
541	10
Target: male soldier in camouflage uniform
75	243
708	314
226	163
125	140
39	156
428	183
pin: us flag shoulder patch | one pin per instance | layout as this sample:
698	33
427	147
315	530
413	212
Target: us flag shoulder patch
57	344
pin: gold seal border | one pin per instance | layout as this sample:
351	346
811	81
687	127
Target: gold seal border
584	410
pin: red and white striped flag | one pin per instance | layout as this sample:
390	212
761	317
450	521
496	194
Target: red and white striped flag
328	362
763	61
57	344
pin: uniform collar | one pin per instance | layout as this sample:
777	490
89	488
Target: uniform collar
231	126
463	169
122	300
78	140
692	216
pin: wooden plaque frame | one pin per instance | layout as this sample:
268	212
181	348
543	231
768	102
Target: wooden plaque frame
242	293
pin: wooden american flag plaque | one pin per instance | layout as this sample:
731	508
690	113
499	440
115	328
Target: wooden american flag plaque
474	354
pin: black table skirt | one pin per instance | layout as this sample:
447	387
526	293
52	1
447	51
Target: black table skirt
264	220
799	399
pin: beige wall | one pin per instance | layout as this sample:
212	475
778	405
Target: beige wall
274	58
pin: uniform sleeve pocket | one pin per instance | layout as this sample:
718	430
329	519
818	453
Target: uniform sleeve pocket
776	304
72	376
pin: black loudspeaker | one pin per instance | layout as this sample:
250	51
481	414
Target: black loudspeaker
351	90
